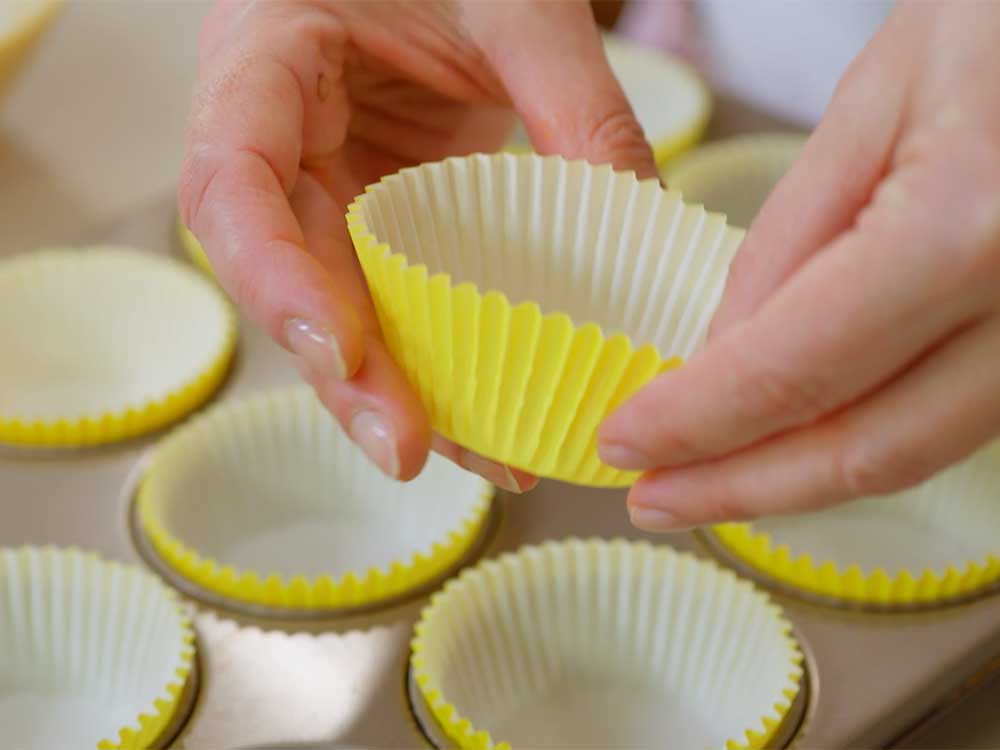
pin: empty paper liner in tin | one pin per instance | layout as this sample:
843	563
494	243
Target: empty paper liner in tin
22	23
193	249
266	502
734	176
605	644
93	654
105	344
525	297
670	100
933	543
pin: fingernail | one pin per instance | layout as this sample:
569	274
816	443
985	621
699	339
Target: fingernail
377	439
318	346
623	457
491	471
654	519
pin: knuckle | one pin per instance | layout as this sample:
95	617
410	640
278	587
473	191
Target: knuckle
771	390
614	132
867	469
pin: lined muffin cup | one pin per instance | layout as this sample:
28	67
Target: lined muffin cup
734	176
604	644
670	100
105	344
525	297
929	545
93	653
266	502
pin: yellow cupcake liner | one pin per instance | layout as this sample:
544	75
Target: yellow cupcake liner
734	176
121	343
671	101
575	263
90	648
604	643
193	249
932	544
20	29
265	502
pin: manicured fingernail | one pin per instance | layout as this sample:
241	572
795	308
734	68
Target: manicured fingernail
491	471
623	457
318	346
654	519
377	439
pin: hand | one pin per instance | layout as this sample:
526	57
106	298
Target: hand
857	348
301	104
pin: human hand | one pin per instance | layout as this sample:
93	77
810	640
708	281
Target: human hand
857	347
301	104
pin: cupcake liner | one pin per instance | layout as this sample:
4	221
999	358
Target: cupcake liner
604	644
120	343
670	100
734	176
266	502
934	543
22	23
193	249
92	653
525	297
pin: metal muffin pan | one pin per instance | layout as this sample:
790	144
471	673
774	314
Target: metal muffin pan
872	679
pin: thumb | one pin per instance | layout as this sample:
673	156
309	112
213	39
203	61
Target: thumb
551	60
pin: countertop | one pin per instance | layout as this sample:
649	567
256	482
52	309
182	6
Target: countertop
93	127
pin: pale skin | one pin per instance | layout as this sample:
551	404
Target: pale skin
857	347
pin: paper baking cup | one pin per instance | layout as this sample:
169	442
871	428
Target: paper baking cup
105	344
266	502
669	98
526	297
93	654
193	249
22	23
605	644
734	176
936	542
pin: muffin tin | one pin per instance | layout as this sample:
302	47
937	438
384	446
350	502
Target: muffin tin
869	678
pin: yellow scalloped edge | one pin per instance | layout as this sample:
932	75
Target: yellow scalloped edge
149	726
193	249
461	731
352	589
852	584
16	45
116	426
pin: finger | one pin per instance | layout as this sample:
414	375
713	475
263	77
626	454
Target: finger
848	321
936	414
820	196
379	411
499	474
242	160
551	60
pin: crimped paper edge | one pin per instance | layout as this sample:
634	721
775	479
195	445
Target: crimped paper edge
354	588
849	583
193	249
147	727
130	421
461	730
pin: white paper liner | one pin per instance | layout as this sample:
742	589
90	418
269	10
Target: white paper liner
605	644
87	334
86	647
273	486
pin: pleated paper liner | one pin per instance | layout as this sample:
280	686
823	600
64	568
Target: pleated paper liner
22	23
936	543
671	101
104	344
93	654
193	249
734	176
266	502
525	297
604	644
